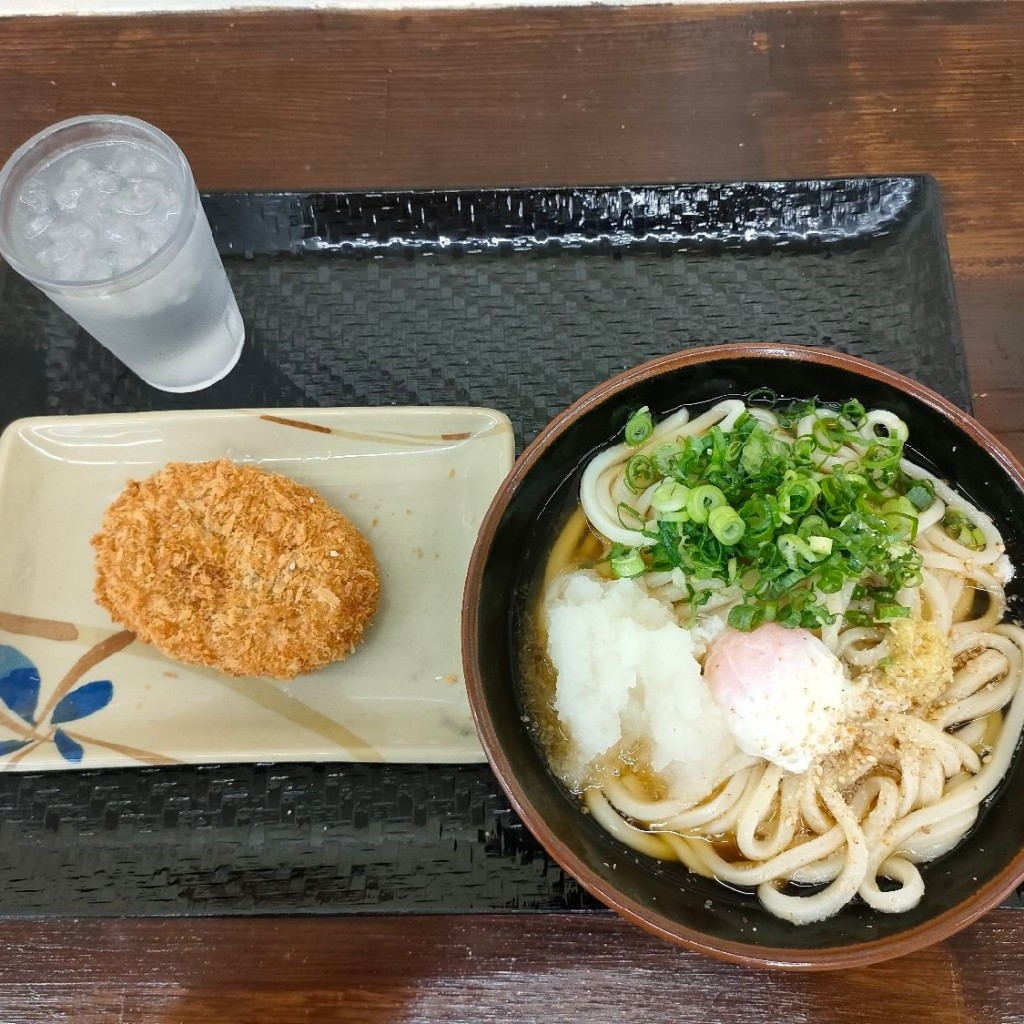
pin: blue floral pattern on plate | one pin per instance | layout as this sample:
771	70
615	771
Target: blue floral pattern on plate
19	692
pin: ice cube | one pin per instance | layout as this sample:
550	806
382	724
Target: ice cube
82	236
106	183
77	171
34	197
59	250
127	161
36	226
153	232
65	238
121	233
67	195
73	267
95	209
166	204
137	201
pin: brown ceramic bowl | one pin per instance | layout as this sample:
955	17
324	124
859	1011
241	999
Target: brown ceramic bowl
664	898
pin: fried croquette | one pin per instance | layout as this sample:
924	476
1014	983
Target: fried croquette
236	568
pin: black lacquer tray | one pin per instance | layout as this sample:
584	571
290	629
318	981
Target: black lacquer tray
521	300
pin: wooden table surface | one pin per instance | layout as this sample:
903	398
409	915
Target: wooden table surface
589	96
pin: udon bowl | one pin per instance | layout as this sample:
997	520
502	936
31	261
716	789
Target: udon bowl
663	897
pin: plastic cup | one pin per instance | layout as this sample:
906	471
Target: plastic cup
102	214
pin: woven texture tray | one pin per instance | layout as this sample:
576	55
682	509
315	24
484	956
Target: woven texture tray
521	300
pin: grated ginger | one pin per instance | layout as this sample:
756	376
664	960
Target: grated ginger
919	666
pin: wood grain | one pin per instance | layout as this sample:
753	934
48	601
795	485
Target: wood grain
481	969
589	96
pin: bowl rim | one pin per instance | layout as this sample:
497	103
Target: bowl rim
860	954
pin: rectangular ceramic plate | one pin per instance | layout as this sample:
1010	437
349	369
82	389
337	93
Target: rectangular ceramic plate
416	481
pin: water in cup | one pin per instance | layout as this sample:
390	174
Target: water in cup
103	215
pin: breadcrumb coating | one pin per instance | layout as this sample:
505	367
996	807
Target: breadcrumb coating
236	568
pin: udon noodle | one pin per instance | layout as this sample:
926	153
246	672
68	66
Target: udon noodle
905	782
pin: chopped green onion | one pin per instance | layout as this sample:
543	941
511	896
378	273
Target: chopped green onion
796	411
962	530
902	505
754	452
831	580
639	427
664	457
626	562
640	473
976	541
921	494
882	454
629	518
758	509
812	613
855	412
829	434
812	526
794	548
668	543
669	496
758	512
820	545
746	617
727	526
954	520
701	500
857	618
797	495
909	576
901	525
891	612
803	450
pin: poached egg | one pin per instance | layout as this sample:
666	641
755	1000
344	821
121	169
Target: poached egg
784	694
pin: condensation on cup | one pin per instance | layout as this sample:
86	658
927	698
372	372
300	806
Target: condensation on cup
102	214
